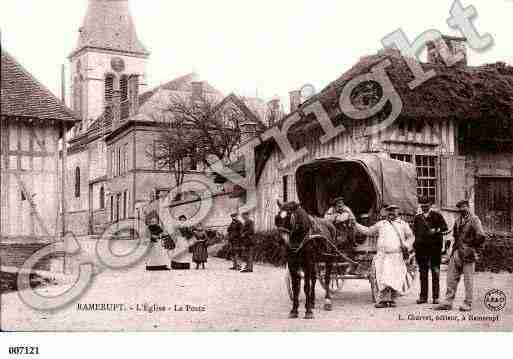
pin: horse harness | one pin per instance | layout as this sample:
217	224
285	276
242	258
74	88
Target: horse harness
311	236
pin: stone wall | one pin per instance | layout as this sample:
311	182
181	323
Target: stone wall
15	254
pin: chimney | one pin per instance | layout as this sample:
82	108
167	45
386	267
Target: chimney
197	90
274	111
295	100
446	47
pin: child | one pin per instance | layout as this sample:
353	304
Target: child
199	248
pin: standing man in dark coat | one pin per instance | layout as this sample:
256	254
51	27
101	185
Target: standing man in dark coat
428	228
248	238
234	239
469	236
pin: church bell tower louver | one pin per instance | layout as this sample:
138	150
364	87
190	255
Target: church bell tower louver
108	63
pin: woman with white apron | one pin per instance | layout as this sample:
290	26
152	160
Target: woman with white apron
157	256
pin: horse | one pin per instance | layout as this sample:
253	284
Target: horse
304	250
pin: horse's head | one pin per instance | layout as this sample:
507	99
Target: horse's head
292	222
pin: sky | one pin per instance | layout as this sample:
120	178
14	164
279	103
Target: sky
259	47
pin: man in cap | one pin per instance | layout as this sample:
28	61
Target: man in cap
394	239
248	240
428	228
468	236
339	212
233	233
343	219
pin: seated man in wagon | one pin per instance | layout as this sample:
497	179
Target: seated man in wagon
343	219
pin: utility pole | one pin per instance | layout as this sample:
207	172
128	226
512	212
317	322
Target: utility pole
63	166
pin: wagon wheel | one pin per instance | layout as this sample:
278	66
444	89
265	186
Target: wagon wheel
336	279
373	283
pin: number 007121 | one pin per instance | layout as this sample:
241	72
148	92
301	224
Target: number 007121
24	350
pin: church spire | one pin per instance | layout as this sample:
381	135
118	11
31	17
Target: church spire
108	25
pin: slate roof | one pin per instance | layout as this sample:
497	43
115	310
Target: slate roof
250	114
182	83
23	96
108	25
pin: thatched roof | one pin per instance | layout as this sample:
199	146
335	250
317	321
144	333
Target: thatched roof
464	93
458	92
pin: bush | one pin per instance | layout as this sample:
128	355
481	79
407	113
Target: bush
496	255
9	281
268	248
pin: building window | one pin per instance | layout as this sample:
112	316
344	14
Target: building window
118	169
23	197
77	182
426	177
124	203
118	205
102	198
285	188
248	131
123	86
112	164
109	89
112	208
419	126
405	157
125	104
125	159
133	88
426	173
192	163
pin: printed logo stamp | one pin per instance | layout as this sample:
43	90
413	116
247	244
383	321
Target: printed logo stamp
495	300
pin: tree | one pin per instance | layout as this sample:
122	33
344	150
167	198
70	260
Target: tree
198	131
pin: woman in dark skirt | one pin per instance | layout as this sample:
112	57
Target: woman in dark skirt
157	258
199	248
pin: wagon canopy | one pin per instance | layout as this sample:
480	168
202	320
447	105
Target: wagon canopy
366	181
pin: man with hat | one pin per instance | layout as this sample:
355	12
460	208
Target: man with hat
428	228
339	212
248	240
233	233
343	219
395	239
468	236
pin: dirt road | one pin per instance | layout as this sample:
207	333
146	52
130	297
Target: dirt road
220	299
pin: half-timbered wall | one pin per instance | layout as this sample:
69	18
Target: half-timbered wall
29	180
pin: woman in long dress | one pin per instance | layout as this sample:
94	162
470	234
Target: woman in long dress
199	249
157	257
182	241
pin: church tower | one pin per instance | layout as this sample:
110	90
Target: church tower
108	65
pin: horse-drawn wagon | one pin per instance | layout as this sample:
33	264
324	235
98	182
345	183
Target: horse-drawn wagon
367	182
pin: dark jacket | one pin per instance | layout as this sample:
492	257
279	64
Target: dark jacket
155	232
200	247
234	231
248	233
425	242
468	236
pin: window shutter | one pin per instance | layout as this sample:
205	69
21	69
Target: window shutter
452	180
